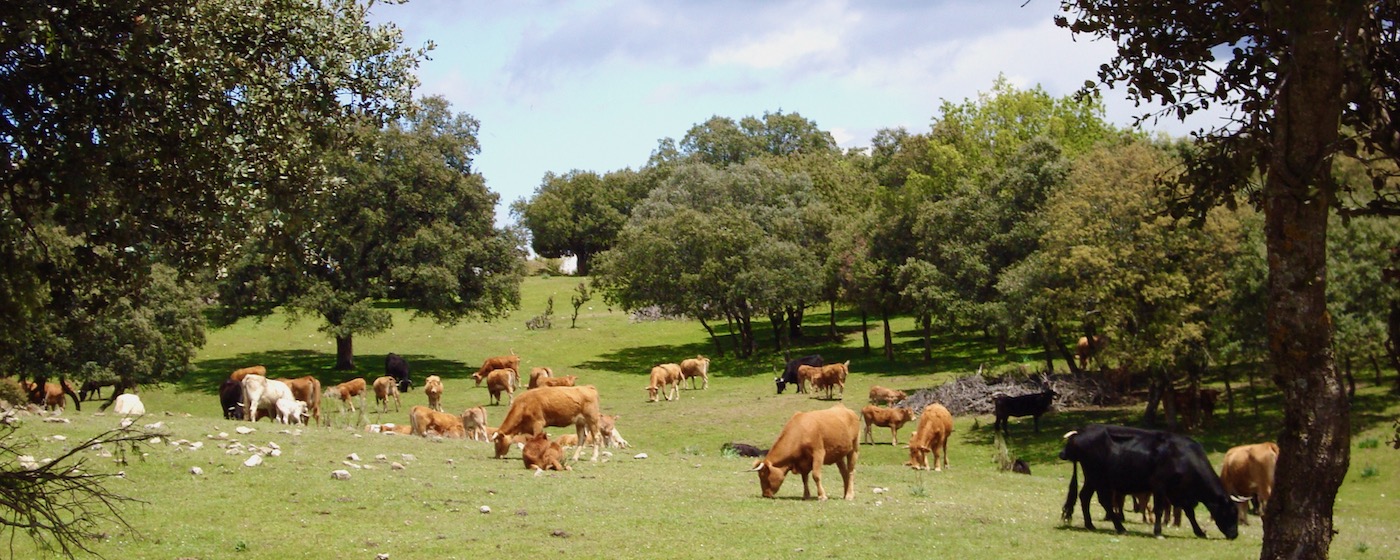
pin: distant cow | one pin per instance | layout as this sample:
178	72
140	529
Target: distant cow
607	425
347	392
892	418
501	381
536	374
743	450
240	373
832	375
1185	404
1248	470
807	377
808	441
551	406
474	421
93	387
566	381
1121	461
396	366
1034	404
543	455
1084	349
881	395
665	381
692	368
128	405
260	392
384	388
511	362
426	421
308	390
790	372
432	386
231	399
935	429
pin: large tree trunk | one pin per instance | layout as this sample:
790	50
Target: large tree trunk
927	323
831	326
584	263
1315	445
889	336
344	352
795	316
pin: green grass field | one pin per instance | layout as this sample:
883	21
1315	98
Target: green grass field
685	500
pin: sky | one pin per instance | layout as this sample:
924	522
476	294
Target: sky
595	85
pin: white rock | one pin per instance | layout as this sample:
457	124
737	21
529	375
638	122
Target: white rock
196	471
60	437
244	430
381	556
156	426
273	445
253	461
275	453
640	456
58	420
127	422
485	509
408	457
197	445
879	490
353	457
154	441
396	466
341	474
381	457
351	465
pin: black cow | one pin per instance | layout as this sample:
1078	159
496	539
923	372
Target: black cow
231	398
1122	461
790	373
743	450
1034	404
397	367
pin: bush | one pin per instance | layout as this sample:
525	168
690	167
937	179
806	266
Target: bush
11	392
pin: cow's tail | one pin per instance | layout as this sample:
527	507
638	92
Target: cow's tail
1068	514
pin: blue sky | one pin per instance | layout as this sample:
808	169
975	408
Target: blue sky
595	85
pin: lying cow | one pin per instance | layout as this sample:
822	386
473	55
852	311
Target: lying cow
541	454
1248	470
432	386
1121	461
1034	404
790	372
536	374
692	368
426	421
662	377
881	395
384	388
396	366
566	381
511	362
892	418
808	441
935	429
742	450
551	406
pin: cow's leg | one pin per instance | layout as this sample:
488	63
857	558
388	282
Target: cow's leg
818	457
1191	516
1037	423
894	435
847	466
1106	499
1160	509
1084	494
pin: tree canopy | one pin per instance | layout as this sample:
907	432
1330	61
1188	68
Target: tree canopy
579	214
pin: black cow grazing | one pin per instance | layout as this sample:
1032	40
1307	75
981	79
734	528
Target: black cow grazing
1121	461
397	367
790	373
231	398
1034	404
743	450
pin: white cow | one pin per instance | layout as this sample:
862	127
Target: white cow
128	405
259	392
291	411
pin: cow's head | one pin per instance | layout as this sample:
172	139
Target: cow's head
502	443
782	385
770	478
918	455
1226	515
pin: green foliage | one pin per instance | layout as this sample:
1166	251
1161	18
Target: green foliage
580	213
11	392
544	320
581	296
1370	472
1369	443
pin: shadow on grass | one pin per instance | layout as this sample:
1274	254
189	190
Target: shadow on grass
298	363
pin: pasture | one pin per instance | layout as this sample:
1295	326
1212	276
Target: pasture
684	500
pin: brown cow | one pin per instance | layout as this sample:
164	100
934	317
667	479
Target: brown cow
390	428
808	441
566	381
53	396
1186	406
385	387
346	393
882	395
551	406
500	381
511	362
935	429
892	418
536	374
1248	470
307	389
832	375
1084	350
607	424
807	376
240	373
425	420
432	386
544	455
698	366
662	377
474	420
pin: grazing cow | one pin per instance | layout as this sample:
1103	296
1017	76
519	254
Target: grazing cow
474	421
663	376
1122	461
128	405
832	375
291	411
808	441
536	374
1085	350
1185	403
935	429
881	395
425	420
397	367
53	396
566	381
511	362
790	372
93	387
551	406
308	390
743	450
385	387
892	418
698	366
240	373
541	454
499	381
1248	470
1034	404
260	392
231	398
432	386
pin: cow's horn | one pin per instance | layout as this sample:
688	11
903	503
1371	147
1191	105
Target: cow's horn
1239	499
1069	433
757	467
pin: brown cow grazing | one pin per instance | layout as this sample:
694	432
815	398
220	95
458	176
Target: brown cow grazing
511	362
544	455
536	374
1248	470
935	429
307	389
426	420
551	406
53	396
698	366
892	418
832	375
808	441
881	395
347	392
432	386
240	373
1085	350
385	387
663	376
499	381
474	420
566	381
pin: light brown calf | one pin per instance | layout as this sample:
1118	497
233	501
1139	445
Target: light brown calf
698	366
474	421
882	395
536	374
385	387
347	392
541	454
892	418
307	389
511	362
566	381
432	386
499	381
426	420
935	428
663	376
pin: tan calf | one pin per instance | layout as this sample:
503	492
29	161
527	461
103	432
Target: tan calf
385	387
474	420
432	386
541	454
663	376
500	381
698	366
882	395
892	418
935	428
536	374
426	420
566	381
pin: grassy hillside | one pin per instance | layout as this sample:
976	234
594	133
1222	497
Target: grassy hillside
684	500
